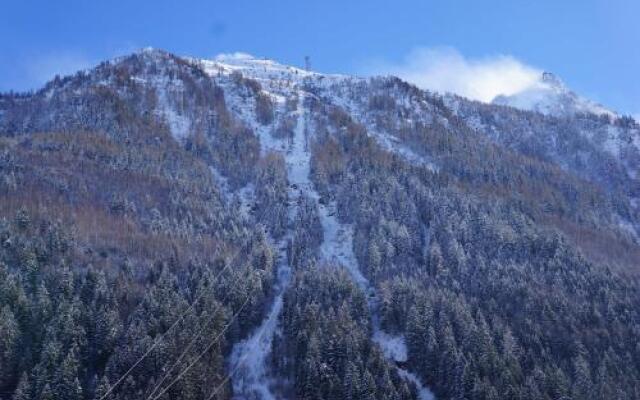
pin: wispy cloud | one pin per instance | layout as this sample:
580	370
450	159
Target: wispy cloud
238	55
445	69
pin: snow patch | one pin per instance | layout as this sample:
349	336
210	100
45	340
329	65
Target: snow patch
178	124
423	392
249	357
393	347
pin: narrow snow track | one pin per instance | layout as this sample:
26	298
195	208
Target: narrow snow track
249	358
337	247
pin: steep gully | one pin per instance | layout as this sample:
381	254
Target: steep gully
249	358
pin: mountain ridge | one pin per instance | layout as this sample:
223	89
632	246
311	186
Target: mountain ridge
175	100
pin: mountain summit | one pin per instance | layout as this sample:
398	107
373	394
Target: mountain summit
549	95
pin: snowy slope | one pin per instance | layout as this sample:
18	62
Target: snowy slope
594	139
250	372
550	96
276	79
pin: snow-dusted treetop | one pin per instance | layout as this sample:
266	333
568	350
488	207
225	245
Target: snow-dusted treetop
261	69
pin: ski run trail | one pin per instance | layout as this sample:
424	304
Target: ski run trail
249	358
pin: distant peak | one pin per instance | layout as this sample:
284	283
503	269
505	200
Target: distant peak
549	95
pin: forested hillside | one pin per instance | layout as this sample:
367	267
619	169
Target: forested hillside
175	228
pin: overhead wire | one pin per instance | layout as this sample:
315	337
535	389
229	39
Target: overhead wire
206	349
162	335
193	341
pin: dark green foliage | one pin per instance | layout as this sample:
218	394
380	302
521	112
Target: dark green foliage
553	170
329	352
491	305
69	329
104	244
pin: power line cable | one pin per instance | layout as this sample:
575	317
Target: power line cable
186	350
206	349
162	335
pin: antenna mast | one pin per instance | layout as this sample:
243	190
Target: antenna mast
307	63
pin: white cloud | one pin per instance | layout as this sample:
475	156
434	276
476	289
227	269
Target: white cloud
446	70
46	67
238	55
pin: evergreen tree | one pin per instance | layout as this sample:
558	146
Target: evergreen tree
9	352
24	389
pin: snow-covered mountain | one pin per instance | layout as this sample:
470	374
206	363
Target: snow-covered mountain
575	134
355	238
549	95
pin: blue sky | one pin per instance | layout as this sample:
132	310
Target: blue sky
593	45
